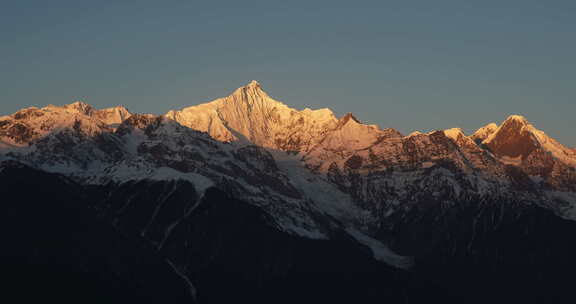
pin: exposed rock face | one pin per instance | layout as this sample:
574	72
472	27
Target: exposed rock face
513	139
17	133
516	138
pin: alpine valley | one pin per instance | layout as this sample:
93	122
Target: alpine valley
244	199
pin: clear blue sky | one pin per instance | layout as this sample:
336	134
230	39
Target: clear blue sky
411	65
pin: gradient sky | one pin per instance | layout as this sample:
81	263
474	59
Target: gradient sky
411	65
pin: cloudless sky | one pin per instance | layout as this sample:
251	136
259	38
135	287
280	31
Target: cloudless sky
411	65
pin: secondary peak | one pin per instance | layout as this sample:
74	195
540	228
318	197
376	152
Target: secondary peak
517	118
81	107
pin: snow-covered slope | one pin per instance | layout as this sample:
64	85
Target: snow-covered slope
343	144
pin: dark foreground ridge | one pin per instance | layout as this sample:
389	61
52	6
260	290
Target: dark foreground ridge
69	243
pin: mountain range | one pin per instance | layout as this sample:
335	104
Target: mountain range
244	193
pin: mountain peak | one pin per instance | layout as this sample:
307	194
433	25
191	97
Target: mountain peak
253	83
516	119
81	107
78	103
250	94
454	133
346	118
484	132
113	116
249	114
514	125
514	138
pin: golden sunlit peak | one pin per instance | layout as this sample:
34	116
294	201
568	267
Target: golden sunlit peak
79	106
253	83
348	116
251	86
78	103
518	118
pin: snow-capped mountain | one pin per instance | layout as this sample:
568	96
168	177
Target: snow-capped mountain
242	137
250	115
32	124
75	141
312	175
113	144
